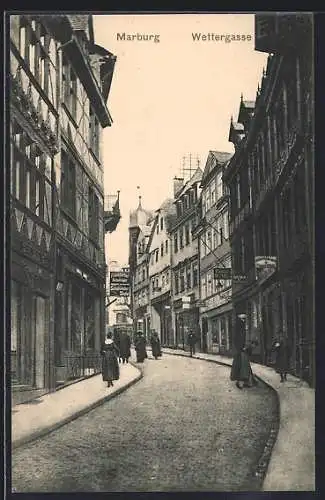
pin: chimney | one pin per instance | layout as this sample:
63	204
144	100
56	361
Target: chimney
178	184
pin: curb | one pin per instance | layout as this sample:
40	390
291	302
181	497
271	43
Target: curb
260	469
44	432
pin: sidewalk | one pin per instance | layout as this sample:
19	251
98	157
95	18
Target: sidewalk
292	463
49	412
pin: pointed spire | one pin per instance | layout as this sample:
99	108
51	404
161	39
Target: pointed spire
139	206
241	97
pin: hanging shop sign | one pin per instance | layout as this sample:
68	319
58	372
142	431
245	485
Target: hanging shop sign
222	273
119	284
265	266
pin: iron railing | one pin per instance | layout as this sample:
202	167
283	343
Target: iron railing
81	365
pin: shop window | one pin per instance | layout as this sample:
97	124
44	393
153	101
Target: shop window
75	324
89	321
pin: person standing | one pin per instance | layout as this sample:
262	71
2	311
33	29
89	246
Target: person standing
125	346
110	366
283	354
155	345
191	340
140	348
241	370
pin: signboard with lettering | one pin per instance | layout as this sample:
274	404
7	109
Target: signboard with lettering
265	266
119	284
222	273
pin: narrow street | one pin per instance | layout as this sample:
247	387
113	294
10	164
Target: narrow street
184	426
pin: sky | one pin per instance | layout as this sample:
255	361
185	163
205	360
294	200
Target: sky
169	99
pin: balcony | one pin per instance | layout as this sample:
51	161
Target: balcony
112	214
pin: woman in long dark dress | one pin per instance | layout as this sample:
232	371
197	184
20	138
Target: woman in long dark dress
241	370
283	354
125	347
110	366
140	348
155	345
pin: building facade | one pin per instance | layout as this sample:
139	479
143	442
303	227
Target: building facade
34	148
185	260
140	227
270	178
159	251
60	81
215	257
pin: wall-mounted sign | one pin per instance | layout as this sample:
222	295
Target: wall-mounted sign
119	284
222	273
265	266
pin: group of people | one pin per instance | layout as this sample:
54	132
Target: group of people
140	345
118	350
241	370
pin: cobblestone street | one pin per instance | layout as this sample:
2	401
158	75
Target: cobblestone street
184	426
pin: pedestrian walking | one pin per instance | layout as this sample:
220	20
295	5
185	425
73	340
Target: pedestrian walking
155	345
283	354
241	370
191	340
125	346
110	366
140	348
116	339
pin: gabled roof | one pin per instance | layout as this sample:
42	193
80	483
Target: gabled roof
245	109
196	177
249	104
82	22
215	159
